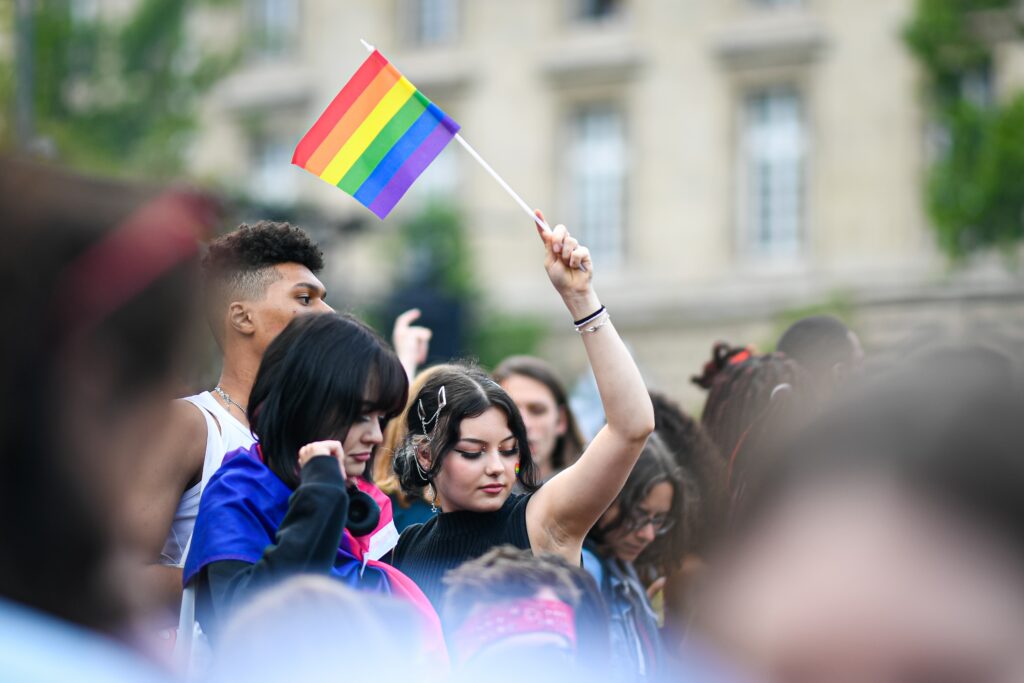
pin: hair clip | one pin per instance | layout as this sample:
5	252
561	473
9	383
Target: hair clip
442	401
781	388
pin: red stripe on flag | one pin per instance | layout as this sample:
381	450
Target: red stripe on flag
337	108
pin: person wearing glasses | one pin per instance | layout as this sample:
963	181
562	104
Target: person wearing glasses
638	526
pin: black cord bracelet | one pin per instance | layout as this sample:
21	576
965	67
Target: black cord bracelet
586	319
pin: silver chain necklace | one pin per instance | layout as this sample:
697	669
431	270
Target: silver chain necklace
227	399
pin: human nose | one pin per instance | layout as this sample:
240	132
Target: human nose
324	307
647	532
373	434
493	465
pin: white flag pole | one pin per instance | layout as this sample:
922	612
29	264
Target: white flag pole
487	167
494	174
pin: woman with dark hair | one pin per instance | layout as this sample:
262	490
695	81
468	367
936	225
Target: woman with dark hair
551	429
643	520
468	443
325	387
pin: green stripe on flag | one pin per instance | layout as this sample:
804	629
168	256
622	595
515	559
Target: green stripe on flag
382	144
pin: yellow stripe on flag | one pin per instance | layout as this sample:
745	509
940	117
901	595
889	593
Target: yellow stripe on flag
354	147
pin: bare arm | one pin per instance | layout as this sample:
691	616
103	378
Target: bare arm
561	513
165	471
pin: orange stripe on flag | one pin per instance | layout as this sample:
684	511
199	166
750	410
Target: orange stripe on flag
355	115
337	108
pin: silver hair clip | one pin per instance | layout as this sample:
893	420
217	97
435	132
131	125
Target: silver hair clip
780	389
442	401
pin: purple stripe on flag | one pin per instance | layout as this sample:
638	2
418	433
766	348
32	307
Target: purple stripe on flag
415	165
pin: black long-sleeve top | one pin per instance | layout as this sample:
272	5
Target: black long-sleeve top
306	542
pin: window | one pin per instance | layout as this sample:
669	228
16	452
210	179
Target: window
596	10
274	180
273	26
597	176
431	22
772	173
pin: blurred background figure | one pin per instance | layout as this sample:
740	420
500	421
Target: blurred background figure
555	439
99	307
538	611
312	628
752	398
826	348
885	542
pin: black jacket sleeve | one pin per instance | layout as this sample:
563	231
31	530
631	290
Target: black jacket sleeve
306	542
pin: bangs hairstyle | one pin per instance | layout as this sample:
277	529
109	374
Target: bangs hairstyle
469	393
655	466
569	445
317	378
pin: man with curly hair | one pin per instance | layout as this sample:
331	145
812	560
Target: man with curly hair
257	278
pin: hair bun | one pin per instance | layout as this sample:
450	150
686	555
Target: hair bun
722	356
408	470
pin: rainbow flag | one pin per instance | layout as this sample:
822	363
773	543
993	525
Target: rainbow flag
376	137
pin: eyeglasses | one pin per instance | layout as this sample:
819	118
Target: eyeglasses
662	524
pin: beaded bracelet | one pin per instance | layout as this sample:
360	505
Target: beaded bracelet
594	324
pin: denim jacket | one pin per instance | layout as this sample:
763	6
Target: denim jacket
635	637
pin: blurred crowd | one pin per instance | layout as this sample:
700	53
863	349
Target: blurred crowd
331	509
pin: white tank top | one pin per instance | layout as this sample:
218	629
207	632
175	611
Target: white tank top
224	433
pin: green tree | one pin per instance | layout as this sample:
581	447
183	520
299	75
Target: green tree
974	192
117	96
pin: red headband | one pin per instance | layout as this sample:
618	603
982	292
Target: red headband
142	248
513	618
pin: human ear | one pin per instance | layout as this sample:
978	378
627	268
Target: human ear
423	457
240	318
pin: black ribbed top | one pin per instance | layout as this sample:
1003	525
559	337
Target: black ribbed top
425	552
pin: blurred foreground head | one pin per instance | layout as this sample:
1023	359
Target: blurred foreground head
886	543
313	628
97	300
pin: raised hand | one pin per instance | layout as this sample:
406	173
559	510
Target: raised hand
570	269
411	342
317	448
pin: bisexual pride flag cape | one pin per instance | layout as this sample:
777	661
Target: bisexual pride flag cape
376	137
239	515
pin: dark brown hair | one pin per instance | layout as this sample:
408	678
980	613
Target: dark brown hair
469	392
703	472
